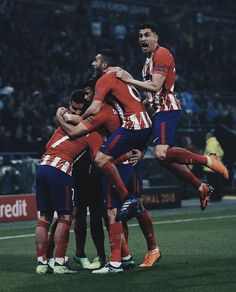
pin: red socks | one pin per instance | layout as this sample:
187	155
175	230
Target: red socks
124	247
61	238
115	238
182	172
183	156
111	172
41	237
146	225
51	244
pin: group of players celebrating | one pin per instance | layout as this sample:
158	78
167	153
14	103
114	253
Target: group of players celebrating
115	126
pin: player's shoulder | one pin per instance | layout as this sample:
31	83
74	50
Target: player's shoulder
108	75
105	79
162	51
59	131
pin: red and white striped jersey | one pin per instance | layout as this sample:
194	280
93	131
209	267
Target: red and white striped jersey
106	120
58	162
132	113
61	150
161	62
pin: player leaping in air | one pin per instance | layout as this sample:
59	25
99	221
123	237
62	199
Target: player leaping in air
134	132
158	82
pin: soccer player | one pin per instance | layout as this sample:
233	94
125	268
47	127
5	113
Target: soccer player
90	196
135	130
55	189
120	258
158	82
87	180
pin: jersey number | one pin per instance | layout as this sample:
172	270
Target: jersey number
58	142
134	92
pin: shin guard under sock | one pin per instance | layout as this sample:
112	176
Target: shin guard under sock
146	225
41	237
183	156
61	238
183	173
115	232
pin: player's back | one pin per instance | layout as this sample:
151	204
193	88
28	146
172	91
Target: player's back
60	144
128	98
126	95
61	150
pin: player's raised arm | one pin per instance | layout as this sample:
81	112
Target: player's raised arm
153	85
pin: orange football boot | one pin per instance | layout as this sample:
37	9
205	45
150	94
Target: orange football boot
150	259
205	195
218	166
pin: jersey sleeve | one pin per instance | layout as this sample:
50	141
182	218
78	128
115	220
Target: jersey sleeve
161	62
92	122
102	87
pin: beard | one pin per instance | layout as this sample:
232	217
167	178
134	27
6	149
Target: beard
97	73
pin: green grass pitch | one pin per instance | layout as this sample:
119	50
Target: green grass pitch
198	254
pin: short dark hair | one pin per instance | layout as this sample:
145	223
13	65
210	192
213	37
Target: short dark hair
151	25
109	57
77	96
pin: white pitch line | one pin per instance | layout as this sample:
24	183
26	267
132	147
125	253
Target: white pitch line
189	220
136	224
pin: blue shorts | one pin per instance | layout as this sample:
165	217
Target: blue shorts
132	178
54	190
164	125
124	140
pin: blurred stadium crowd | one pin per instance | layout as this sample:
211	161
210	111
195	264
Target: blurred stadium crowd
46	51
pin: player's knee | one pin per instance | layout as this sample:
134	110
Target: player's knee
160	152
111	213
159	155
63	217
46	216
100	160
